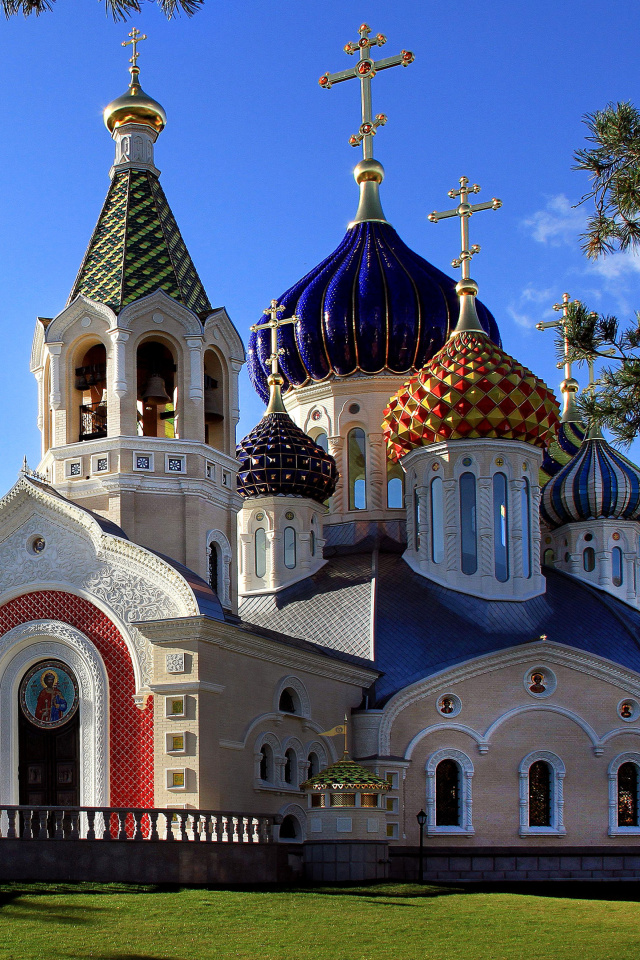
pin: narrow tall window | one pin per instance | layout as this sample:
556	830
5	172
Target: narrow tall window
323	441
261	552
525	509
289	548
548	557
266	762
500	528
437	520
628	795
395	485
468	534
357	469
312	543
289	766
616	567
447	794
213	566
589	559
416	520
314	764
540	794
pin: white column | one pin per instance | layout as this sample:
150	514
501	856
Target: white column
196	368
55	398
119	339
336	449
484	514
515	528
377	487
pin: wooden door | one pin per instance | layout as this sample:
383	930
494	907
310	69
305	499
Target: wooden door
49	768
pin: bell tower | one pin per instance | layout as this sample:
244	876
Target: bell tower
138	374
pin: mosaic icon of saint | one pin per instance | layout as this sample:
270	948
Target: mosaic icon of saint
537	683
51	704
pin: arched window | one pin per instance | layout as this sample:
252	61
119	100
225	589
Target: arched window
213	401
314	764
357	469
447	794
157	394
628	795
616	567
261	551
289	548
589	559
266	762
312	543
287	701
437	520
468	532
214	566
548	557
449	807
323	441
91	384
500	528
416	520
290	763
540	794
395	485
290	828
525	509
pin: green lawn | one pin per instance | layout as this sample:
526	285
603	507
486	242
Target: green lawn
384	922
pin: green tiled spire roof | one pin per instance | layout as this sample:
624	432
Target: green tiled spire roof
137	248
345	774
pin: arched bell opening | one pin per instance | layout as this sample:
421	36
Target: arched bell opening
214	406
157	391
90	387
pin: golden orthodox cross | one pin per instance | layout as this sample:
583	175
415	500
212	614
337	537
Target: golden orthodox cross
464	210
561	322
274	324
364	71
136	37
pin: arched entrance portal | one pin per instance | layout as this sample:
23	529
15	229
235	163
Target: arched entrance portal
48	735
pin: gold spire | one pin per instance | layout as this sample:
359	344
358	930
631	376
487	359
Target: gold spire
594	432
569	386
466	288
369	173
275	379
134	106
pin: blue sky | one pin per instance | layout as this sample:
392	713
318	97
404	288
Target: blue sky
257	166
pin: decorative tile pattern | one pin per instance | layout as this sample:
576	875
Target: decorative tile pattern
131	729
278	458
137	248
372	305
597	482
175	663
345	774
471	388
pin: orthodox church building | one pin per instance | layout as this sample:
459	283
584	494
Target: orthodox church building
413	537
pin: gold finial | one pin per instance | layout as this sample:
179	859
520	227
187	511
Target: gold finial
136	38
569	386
275	380
466	288
365	70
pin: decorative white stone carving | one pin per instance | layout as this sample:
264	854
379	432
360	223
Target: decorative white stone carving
37	640
175	663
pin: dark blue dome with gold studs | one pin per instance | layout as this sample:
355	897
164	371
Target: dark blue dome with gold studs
372	306
278	459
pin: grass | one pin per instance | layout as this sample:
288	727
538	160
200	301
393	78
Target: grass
382	922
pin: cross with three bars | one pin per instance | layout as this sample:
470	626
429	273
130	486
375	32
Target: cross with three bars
274	324
464	210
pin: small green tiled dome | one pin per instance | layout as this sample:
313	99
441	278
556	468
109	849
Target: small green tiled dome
345	774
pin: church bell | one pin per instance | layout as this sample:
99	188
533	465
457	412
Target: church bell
155	392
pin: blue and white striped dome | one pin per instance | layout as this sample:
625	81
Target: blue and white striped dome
597	483
372	306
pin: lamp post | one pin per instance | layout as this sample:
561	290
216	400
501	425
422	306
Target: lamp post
422	819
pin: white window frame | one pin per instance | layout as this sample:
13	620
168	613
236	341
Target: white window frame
169	738
142	453
175	456
67	469
170	785
94	463
614	829
175	716
210	470
557	827
465	829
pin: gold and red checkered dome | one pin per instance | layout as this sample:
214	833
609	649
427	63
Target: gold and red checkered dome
471	388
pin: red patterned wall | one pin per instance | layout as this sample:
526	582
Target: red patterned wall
131	729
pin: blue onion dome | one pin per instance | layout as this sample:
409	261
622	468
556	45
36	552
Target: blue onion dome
372	306
277	458
597	483
562	449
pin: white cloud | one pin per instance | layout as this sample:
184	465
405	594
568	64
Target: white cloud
617	265
532	295
558	224
522	319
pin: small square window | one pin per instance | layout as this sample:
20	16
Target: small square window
176	742
392	778
173	464
73	468
392	804
176	779
175	706
210	470
100	463
226	479
392	831
143	461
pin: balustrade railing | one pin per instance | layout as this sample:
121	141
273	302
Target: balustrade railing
133	823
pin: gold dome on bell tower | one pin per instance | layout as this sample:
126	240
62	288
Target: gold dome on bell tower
134	106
